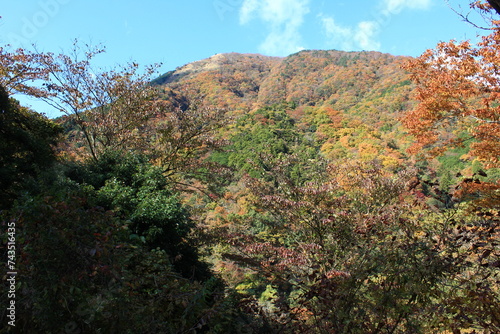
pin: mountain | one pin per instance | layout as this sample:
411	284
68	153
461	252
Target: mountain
300	213
224	63
231	79
350	102
359	82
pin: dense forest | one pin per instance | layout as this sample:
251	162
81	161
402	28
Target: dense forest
323	192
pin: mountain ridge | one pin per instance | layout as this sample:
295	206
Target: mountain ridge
214	62
356	82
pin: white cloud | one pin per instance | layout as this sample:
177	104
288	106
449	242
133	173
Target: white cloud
396	6
283	19
338	36
248	8
365	35
361	37
281	42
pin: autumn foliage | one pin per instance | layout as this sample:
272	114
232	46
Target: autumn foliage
250	194
457	87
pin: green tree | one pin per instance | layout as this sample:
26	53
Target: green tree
79	271
268	133
138	192
27	142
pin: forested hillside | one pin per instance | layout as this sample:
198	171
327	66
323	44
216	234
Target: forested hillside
344	80
342	99
323	192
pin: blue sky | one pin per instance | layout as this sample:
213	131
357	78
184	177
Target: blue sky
175	32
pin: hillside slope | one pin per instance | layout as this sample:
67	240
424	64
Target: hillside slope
367	82
349	102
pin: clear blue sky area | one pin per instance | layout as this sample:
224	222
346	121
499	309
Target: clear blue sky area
176	32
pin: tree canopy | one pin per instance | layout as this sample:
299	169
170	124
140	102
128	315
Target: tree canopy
250	194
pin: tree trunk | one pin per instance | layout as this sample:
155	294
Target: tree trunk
495	4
